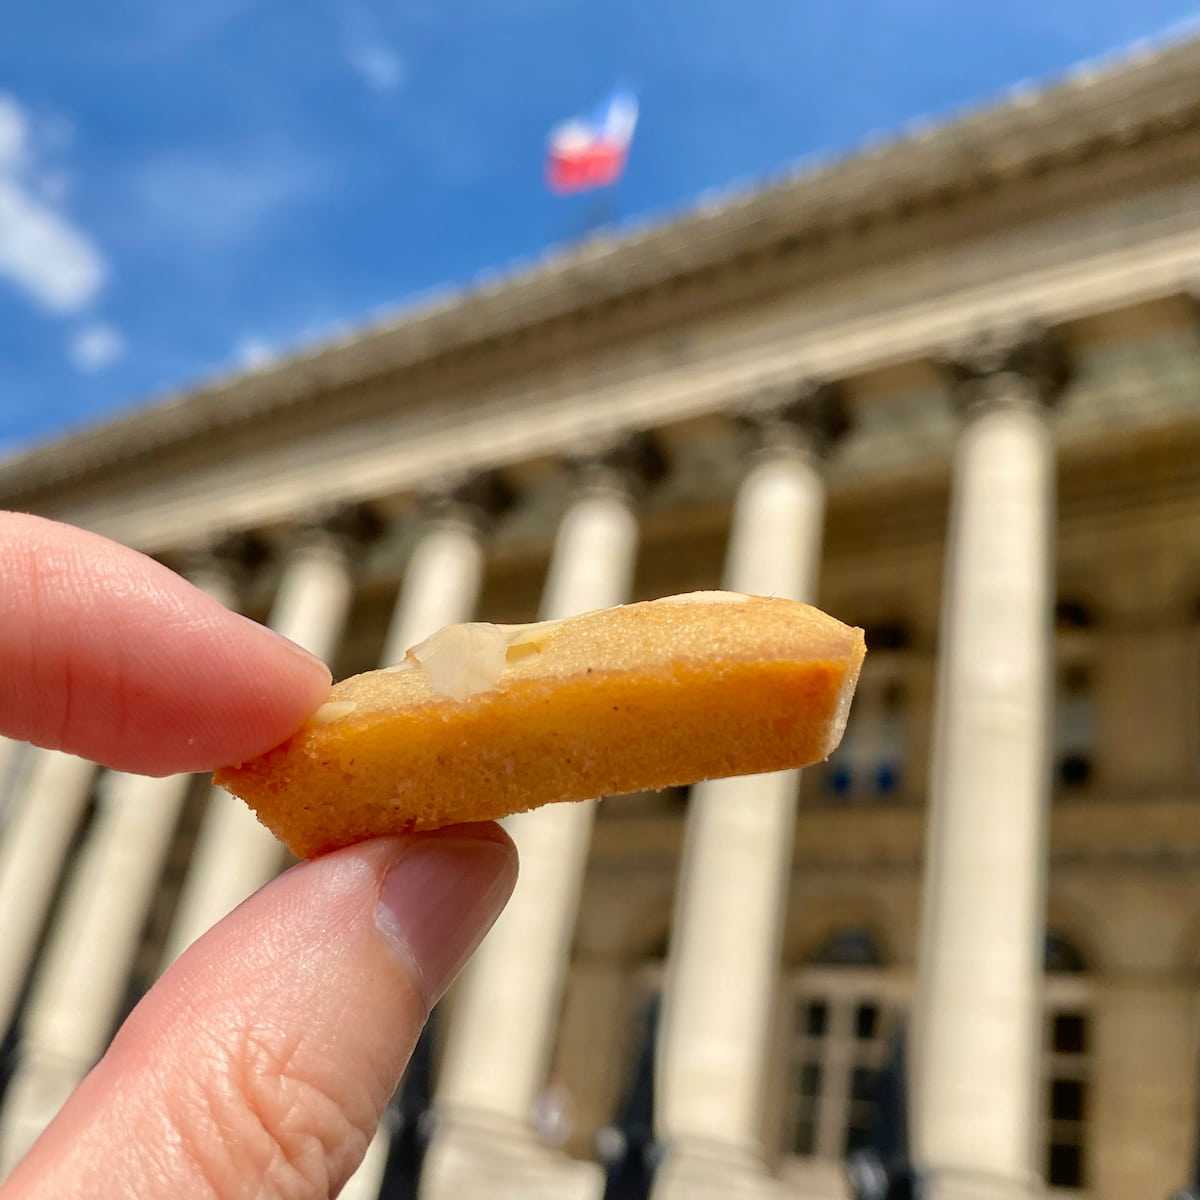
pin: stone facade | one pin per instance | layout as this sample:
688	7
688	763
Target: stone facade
955	383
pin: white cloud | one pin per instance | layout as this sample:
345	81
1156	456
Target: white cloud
216	201
366	47
14	135
253	353
151	29
42	252
95	347
378	66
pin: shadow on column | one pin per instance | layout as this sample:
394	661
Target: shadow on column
8	1058
627	1148
881	1169
410	1118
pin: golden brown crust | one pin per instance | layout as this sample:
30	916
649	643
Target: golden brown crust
649	695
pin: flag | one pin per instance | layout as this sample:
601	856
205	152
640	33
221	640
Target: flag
590	151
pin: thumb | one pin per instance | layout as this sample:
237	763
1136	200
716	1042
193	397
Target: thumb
260	1063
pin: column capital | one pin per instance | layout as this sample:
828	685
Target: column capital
236	554
1026	366
625	462
807	414
349	528
476	500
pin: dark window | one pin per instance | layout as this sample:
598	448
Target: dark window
1075	770
850	947
860	1127
862	1084
816	1018
1070	614
1061	955
887	779
804	1136
866	1021
889	635
1076	679
838	780
1064	1165
1069	1034
1066	1099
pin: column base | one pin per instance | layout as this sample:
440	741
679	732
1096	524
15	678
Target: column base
704	1172
973	1185
491	1159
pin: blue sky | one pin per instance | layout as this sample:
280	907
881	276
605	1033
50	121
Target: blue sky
188	187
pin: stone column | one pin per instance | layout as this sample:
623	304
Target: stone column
10	755
441	586
978	1013
505	1010
235	855
723	965
594	1050
33	847
83	975
444	572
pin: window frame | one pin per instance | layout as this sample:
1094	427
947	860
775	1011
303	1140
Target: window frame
890	989
884	669
1066	993
893	990
1074	649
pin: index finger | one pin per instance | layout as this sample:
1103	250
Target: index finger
109	655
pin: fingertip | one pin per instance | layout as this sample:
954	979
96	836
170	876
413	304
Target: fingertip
112	656
489	831
255	690
273	642
439	898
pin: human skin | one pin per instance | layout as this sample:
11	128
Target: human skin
260	1063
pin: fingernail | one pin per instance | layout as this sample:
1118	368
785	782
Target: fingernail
287	643
437	902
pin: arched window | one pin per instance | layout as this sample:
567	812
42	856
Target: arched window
850	946
847	1006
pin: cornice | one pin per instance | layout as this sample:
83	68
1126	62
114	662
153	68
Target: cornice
1092	112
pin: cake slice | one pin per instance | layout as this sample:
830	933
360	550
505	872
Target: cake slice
481	720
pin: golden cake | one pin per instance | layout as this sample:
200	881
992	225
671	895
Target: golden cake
482	720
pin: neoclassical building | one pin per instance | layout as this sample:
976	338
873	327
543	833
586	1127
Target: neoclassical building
948	389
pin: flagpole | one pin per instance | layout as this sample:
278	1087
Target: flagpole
588	154
601	212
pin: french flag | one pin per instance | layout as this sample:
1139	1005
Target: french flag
590	151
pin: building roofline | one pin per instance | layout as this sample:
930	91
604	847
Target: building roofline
1095	108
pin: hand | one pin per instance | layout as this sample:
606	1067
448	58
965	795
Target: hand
260	1063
